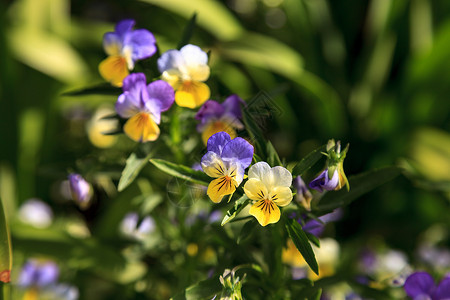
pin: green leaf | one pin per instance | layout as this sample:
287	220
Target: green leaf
237	207
181	171
308	161
272	156
5	248
264	52
99	89
188	31
246	231
313	239
135	162
213	16
205	289
361	184
301	241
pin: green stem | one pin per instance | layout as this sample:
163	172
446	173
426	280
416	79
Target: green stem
175	135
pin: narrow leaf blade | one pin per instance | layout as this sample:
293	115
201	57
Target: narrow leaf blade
301	241
99	89
134	165
188	31
181	171
308	161
234	211
5	248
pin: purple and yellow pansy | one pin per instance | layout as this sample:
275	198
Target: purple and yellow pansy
216	117
124	47
186	70
226	161
142	105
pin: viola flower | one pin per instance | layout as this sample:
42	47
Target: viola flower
225	160
270	188
124	47
303	195
215	117
37	273
142	105
80	189
420	285
333	177
186	70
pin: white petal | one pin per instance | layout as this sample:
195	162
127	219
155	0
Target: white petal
258	170
193	55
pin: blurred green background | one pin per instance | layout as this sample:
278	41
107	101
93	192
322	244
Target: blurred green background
375	74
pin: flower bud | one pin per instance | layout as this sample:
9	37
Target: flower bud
303	195
80	190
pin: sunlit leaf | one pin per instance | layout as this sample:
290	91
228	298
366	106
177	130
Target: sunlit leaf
181	172
265	52
135	162
361	184
234	211
301	241
213	16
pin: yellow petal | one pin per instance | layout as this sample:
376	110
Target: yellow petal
216	127
213	165
172	77
265	211
255	190
114	69
220	187
192	94
199	72
141	128
281	195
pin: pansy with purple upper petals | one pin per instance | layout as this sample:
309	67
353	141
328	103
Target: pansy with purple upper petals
421	286
124	47
216	117
226	161
142	105
186	70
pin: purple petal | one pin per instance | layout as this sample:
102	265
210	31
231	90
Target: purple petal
239	149
314	227
419	283
209	109
217	141
142	42
300	185
322	182
232	105
170	59
335	215
163	92
124	26
79	188
111	39
131	101
442	292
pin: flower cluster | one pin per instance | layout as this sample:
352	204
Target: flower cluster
124	47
